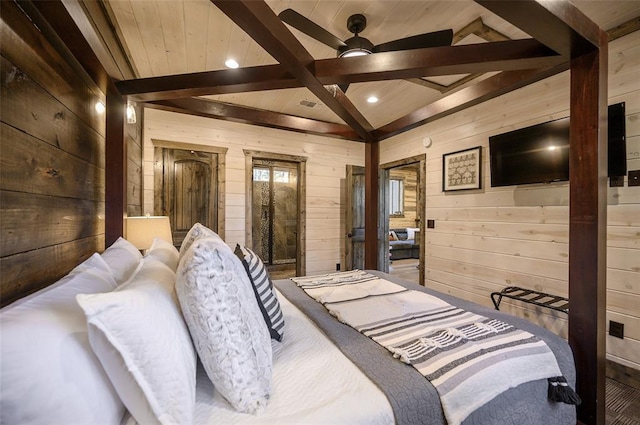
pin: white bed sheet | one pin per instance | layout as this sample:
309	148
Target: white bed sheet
313	383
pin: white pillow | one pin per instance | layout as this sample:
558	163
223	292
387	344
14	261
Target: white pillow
226	325
48	371
139	336
197	231
164	252
122	258
411	232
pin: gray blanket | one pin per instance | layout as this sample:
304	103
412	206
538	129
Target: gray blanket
413	398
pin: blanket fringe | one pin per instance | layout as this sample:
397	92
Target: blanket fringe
560	391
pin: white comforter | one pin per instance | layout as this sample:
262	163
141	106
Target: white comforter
313	383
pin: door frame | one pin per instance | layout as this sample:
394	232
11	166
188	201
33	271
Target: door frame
420	208
158	165
249	156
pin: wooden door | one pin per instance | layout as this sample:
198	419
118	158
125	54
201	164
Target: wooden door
354	218
188	190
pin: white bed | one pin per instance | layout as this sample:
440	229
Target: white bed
313	383
55	371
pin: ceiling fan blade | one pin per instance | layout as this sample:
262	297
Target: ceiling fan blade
344	87
430	39
313	30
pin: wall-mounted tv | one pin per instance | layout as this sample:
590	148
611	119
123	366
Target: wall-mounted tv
536	154
540	153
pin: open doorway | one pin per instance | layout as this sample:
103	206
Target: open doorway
402	206
275	211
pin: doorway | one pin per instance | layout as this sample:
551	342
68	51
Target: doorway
275	202
188	187
402	197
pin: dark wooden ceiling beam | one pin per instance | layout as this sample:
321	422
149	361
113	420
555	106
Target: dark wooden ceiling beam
259	21
449	60
255	78
241	114
485	90
559	25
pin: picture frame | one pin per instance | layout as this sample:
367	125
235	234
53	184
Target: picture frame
462	170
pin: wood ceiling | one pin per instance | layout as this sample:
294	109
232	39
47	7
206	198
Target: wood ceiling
176	51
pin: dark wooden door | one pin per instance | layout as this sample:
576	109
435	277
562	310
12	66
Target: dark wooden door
354	220
188	192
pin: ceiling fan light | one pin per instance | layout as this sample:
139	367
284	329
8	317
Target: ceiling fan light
354	52
355	46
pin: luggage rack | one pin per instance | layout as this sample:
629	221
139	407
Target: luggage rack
542	299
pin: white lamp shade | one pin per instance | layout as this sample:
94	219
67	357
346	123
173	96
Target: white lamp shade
141	231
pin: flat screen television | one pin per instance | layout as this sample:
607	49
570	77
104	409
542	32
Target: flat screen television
536	154
540	153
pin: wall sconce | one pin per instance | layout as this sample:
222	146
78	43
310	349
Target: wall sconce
131	112
141	231
100	108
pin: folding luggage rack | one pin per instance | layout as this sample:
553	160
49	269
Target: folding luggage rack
542	299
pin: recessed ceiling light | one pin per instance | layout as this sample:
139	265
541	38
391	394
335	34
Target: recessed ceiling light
372	99
231	63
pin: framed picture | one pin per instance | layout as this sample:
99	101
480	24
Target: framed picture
462	170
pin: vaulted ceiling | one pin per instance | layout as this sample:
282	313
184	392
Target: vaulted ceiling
174	55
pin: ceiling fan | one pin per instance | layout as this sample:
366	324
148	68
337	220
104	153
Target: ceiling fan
359	46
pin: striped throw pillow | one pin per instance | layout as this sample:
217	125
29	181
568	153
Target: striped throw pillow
263	288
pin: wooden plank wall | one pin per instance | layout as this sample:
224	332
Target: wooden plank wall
490	238
52	161
326	171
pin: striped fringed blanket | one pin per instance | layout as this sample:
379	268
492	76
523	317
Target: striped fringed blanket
468	358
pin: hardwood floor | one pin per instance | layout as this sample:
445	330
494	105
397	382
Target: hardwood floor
622	404
405	269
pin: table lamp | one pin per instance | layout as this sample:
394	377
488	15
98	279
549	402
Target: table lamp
141	231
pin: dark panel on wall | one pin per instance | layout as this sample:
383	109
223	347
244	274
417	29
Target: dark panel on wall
52	218
28	107
29	165
27	48
52	178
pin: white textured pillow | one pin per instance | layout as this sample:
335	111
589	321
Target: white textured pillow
48	371
196	232
123	259
226	325
139	336
164	252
